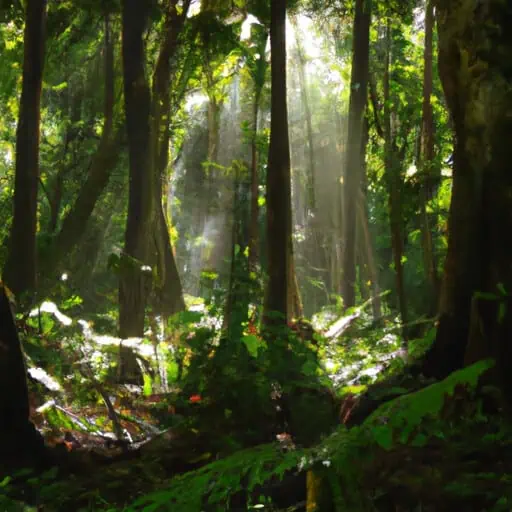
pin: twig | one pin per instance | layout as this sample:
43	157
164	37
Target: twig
118	429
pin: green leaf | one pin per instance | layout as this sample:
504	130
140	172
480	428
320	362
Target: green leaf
5	482
253	344
383	437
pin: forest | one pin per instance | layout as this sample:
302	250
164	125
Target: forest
255	255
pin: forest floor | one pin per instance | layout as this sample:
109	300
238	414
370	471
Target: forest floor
401	444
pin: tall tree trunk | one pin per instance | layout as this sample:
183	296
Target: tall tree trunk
365	239
133	285
427	161
369	258
236	312
55	201
279	238
255	182
212	205
353	166
75	223
394	185
475	310
168	296
20	268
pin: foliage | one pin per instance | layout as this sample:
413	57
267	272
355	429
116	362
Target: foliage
398	420
224	390
215	484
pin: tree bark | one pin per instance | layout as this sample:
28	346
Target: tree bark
20	268
133	286
394	186
236	311
474	65
258	72
279	237
168	293
19	441
426	163
255	182
75	223
365	239
353	166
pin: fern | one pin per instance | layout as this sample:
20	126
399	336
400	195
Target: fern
218	481
341	458
405	414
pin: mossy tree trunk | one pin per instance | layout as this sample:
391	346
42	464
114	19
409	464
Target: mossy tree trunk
20	268
168	292
258	71
476	72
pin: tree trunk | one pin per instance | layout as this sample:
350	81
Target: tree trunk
426	162
19	441
394	186
475	317
55	201
168	296
365	239
255	182
279	239
75	223
20	268
236	311
133	286
353	166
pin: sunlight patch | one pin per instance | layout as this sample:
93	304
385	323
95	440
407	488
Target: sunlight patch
41	376
50	307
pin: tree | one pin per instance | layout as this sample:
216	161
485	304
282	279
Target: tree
168	291
475	318
392	163
133	281
369	274
20	268
426	161
104	160
19	441
258	65
279	236
147	238
353	165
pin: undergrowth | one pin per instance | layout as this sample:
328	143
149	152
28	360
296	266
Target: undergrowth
407	420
